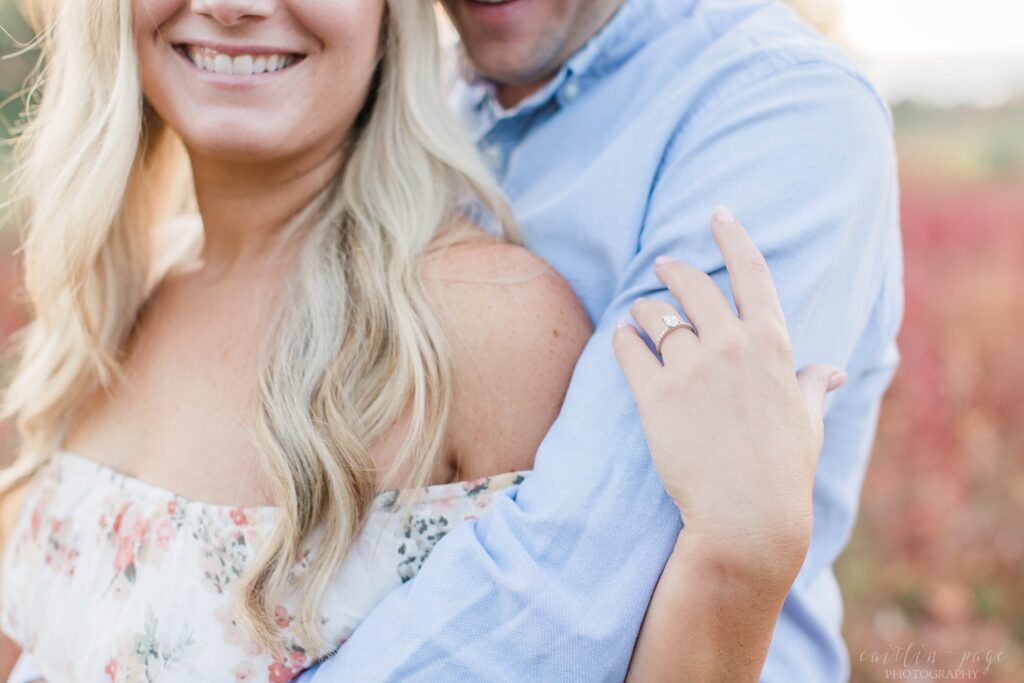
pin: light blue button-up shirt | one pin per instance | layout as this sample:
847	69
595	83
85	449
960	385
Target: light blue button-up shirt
675	106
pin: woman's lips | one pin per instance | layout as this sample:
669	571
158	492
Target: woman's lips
243	64
235	68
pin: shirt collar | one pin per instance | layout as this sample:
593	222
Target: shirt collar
634	24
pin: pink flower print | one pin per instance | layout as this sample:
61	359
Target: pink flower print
119	518
37	521
164	534
254	649
284	669
103	520
232	634
172	507
140	529
279	672
297	661
54	526
111	669
125	554
244	672
238	517
281	616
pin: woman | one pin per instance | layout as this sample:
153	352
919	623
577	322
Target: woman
180	521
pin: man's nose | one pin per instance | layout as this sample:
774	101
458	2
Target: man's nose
231	12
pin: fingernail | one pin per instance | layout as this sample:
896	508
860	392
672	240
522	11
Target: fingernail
639	299
620	324
663	259
837	380
723	214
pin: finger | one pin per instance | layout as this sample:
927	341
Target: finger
753	288
815	382
650	314
637	361
704	303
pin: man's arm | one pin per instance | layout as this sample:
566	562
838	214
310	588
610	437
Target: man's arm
552	583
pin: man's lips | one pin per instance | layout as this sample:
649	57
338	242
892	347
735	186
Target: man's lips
494	9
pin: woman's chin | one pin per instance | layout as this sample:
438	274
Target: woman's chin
237	145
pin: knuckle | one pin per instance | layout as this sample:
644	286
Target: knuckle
641	311
731	344
782	352
777	341
775	338
779	346
688	277
757	265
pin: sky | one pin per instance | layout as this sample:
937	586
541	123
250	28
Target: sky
946	52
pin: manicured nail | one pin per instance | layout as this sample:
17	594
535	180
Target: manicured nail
639	299
620	324
837	380
663	259
723	214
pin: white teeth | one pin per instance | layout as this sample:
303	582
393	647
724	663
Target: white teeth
208	59
222	64
243	65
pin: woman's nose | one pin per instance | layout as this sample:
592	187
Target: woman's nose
231	12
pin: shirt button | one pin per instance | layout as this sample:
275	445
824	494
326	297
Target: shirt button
571	91
492	154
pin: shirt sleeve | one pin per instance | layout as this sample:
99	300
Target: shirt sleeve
552	584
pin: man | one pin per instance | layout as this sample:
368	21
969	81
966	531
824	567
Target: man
615	126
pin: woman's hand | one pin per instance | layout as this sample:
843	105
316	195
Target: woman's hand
735	434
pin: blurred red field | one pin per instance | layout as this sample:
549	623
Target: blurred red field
937	561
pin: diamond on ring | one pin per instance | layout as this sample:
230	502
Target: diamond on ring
672	322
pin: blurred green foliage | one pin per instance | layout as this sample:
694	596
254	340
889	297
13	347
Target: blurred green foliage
961	144
16	62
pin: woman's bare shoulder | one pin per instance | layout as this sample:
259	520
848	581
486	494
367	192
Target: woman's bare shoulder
516	330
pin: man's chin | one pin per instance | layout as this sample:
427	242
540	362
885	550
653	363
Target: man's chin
513	65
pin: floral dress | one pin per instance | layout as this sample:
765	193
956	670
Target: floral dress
107	578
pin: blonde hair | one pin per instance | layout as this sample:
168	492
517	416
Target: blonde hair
356	345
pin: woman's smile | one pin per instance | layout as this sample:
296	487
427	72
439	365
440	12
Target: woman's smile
237	66
258	81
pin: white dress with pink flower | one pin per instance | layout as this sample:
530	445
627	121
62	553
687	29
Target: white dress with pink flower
109	578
